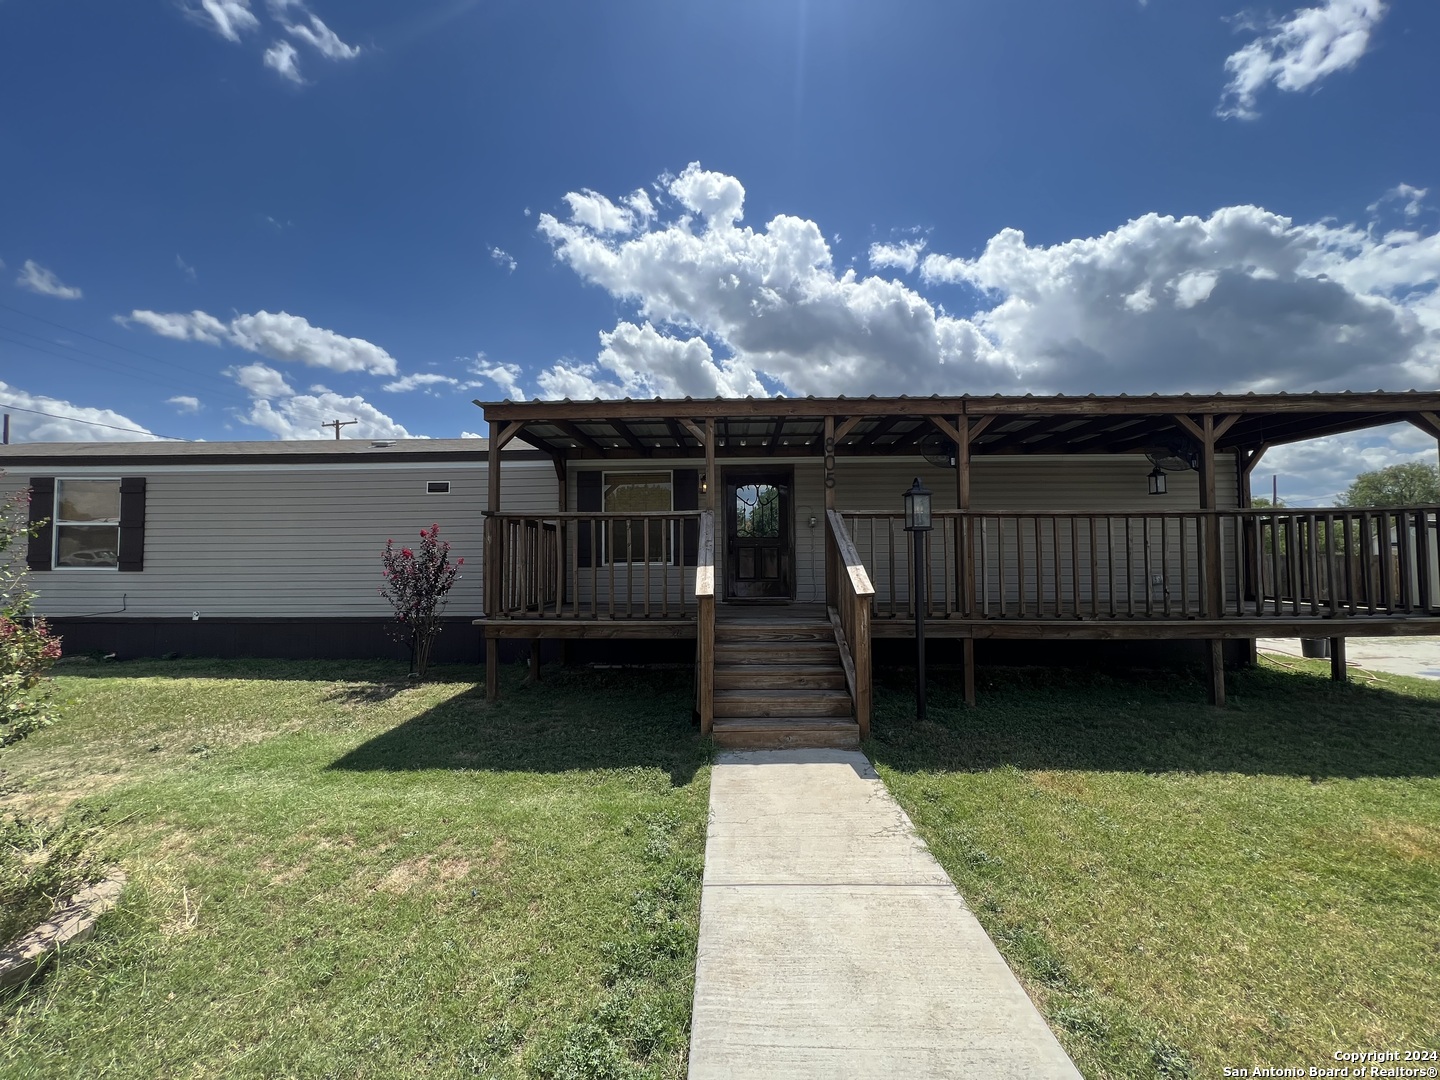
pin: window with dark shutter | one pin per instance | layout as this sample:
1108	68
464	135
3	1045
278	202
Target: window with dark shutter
42	510
132	523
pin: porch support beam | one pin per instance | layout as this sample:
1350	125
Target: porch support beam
630	437
1429	423
673	427
829	447
698	432
847	427
712	481
492	554
1337	660
579	436
776	426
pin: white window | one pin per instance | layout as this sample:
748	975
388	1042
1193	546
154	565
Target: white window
87	524
638	492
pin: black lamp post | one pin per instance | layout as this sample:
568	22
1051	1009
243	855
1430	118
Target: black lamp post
917	524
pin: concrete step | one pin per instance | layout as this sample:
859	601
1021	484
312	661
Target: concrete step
754	701
774	732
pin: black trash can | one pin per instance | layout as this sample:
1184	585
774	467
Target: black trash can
1315	648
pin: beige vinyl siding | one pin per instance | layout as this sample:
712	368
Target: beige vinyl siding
288	541
1114	483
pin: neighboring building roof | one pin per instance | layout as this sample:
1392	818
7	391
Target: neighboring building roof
298	452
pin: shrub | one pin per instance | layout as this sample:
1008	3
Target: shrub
416	582
27	647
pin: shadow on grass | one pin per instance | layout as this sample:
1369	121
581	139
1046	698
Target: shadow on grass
574	719
378	672
1278	722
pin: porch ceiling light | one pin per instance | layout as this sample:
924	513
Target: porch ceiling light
917	508
1157	481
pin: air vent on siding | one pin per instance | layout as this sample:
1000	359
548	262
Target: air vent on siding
437	487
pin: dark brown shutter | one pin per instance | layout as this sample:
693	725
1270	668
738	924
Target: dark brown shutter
132	523
685	493
588	500
42	509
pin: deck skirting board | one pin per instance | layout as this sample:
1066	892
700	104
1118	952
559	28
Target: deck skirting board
1162	629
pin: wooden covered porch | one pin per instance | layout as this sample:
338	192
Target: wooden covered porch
1203	572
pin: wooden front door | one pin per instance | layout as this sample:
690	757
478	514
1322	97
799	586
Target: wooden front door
759	528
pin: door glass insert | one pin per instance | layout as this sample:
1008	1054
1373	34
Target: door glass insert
757	511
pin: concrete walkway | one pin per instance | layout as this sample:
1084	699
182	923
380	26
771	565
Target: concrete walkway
1415	656
833	945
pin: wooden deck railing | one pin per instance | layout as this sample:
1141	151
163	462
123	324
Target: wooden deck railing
590	566
705	623
1056	565
849	596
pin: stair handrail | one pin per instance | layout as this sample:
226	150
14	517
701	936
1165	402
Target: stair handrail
849	594
705	623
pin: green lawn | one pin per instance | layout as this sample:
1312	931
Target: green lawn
1183	888
335	874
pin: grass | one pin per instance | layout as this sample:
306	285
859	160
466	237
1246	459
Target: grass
1182	888
335	874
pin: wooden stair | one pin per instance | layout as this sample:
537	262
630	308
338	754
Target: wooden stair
779	683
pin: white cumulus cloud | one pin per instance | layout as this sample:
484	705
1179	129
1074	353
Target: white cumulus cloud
65	421
1242	299
283	58
902	256
37	279
420	382
311	30
505	377
1298	51
184	403
278	336
228	18
261	381
503	258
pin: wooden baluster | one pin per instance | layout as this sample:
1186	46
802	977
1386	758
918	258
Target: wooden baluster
1165	561
1129	569
645	557
1367	575
1185	568
1094	570
1075	565
1314	560
1149	567
1404	563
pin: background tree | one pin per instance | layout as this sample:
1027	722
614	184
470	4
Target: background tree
416	583
1410	484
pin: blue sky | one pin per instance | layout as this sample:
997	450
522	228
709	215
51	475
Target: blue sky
238	218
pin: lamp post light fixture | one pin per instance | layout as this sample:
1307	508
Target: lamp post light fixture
1157	481
917	524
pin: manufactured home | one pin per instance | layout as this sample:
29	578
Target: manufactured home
253	548
764	538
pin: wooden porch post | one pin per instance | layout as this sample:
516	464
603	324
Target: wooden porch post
1245	462
1214	601
712	482
829	448
493	554
962	555
1337	659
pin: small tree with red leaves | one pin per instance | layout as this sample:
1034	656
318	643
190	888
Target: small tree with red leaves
27	647
416	582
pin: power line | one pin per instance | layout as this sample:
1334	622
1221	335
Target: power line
92	423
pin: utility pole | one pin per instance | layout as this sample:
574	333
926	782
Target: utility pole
337	425
7	429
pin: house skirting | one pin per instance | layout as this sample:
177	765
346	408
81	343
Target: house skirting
275	638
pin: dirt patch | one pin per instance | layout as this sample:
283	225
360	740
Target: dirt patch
1069	784
425	873
1410	841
